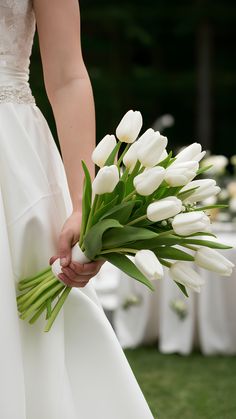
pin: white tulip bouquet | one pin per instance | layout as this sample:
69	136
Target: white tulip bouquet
139	216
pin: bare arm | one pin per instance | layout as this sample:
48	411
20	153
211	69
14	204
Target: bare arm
70	94
68	87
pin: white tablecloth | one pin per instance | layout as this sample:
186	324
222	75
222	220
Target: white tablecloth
210	323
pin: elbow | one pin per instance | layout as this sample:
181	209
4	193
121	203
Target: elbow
57	83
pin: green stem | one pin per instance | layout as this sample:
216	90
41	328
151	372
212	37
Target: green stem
119	249
57	308
93	208
39	274
38	291
143	217
165	263
26	295
39	301
42	308
127	198
34	282
188	246
122	155
165	233
125	174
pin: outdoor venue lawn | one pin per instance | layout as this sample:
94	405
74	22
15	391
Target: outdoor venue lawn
191	387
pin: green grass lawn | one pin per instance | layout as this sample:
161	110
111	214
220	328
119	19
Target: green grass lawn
193	387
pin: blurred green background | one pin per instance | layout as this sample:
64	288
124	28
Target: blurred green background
157	56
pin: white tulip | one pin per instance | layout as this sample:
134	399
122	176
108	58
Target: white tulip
191	222
218	163
214	261
106	180
148	181
103	150
164	208
181	173
183	273
232	204
147	136
130	158
205	189
151	148
147	263
192	152
163	156
129	126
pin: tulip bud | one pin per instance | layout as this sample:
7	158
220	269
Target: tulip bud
148	181
106	180
103	150
192	152
151	148
163	156
181	173
190	223
130	158
147	263
147	136
129	126
212	260
164	208
205	189
183	273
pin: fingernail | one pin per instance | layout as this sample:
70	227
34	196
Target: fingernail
63	261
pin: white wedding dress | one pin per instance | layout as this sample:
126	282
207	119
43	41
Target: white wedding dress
77	370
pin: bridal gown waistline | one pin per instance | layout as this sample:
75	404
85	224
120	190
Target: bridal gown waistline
14	86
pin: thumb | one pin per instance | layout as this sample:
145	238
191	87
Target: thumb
65	241
52	259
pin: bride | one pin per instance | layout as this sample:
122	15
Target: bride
78	370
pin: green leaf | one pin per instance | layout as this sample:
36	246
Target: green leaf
129	187
110	160
207	243
167	161
117	238
170	240
118	192
203	169
167	252
210	207
171	191
87	198
199	234
120	212
186	194
99	215
93	239
127	266
182	287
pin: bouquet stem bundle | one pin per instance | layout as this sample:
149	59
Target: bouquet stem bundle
139	216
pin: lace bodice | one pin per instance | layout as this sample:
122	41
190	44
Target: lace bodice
17	27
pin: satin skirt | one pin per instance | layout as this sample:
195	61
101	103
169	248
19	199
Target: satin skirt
78	370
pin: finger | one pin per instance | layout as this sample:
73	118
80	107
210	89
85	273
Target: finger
91	268
78	268
65	243
69	272
70	283
53	258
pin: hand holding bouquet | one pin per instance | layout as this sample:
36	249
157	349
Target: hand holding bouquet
139	218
